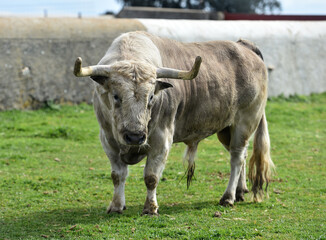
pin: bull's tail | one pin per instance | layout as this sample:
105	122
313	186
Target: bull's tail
190	157
260	164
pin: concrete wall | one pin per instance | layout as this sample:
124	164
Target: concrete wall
295	52
169	13
37	54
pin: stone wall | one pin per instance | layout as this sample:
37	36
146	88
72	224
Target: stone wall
168	13
38	54
294	51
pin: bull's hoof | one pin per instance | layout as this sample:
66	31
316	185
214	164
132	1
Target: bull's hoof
150	212
150	208
227	201
239	196
113	209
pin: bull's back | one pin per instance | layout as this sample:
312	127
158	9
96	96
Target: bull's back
231	77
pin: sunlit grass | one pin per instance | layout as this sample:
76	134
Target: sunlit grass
55	181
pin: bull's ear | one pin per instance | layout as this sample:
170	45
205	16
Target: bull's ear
159	85
99	79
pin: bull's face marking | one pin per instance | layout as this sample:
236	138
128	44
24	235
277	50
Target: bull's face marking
129	90
131	103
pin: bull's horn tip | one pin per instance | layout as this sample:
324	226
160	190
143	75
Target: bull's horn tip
77	68
198	59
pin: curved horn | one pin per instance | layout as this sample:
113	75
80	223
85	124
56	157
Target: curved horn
179	74
97	70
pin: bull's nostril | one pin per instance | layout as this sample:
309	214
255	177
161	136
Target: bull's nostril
127	138
134	139
142	139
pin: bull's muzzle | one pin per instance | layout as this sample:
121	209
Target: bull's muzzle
134	138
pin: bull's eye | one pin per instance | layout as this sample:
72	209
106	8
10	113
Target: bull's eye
150	102
117	100
116	97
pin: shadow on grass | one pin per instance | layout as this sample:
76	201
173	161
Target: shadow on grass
60	221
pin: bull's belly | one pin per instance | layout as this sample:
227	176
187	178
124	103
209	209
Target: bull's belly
194	131
202	120
194	136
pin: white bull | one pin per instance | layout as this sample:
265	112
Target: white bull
140	116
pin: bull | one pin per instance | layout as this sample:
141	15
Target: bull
144	103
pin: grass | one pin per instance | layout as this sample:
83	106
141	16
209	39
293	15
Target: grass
55	181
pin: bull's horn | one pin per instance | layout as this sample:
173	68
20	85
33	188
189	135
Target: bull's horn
179	74
97	70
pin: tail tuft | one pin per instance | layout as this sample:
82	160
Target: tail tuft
190	157
190	173
260	164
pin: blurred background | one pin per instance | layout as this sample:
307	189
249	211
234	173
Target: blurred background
41	39
89	8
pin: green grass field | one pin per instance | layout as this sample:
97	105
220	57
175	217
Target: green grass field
55	181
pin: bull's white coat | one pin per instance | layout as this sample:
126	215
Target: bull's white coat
294	51
140	116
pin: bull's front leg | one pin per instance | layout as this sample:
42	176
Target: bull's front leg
152	173
118	174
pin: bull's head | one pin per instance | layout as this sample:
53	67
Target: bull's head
129	90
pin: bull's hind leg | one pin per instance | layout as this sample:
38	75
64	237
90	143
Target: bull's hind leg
237	149
225	138
242	184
